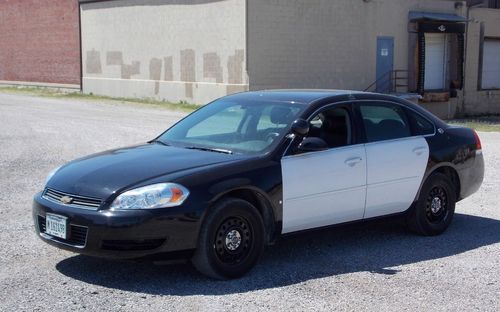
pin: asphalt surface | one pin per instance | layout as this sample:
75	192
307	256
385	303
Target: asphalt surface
375	266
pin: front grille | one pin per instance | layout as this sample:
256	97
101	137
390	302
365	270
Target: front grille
75	200
77	234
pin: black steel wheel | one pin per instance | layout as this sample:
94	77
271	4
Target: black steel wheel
434	209
231	239
436	206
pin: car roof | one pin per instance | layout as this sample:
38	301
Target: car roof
301	96
313	98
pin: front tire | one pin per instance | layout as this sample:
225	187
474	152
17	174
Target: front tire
435	207
231	240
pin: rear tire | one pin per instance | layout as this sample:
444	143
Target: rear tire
231	240
435	207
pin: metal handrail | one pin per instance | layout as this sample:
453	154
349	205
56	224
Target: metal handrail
393	81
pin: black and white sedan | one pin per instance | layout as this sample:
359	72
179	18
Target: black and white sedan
238	173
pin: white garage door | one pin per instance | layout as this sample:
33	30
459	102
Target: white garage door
491	65
435	60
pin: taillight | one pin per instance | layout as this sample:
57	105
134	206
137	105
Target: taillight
478	140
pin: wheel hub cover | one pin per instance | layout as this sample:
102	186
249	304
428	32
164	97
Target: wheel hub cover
233	240
436	205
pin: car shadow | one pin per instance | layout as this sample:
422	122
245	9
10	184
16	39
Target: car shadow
377	246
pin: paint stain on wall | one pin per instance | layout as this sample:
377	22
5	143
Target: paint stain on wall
188	65
132	69
169	68
155	65
114	58
235	67
93	63
212	67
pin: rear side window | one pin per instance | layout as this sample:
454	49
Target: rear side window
384	121
419	124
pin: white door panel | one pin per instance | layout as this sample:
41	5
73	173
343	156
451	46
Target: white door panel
323	188
323	209
391	197
435	61
491	64
395	170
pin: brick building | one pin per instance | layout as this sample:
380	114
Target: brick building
39	42
197	50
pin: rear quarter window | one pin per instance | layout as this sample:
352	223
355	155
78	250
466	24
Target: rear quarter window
419	124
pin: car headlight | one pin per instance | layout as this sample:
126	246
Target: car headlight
50	175
160	195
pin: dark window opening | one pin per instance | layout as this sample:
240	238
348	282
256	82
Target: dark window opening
384	121
419	124
333	126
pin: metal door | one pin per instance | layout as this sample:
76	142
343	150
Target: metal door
435	61
385	64
395	170
323	188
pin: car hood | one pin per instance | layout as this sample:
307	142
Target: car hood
100	175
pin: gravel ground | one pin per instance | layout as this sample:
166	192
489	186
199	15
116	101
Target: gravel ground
375	266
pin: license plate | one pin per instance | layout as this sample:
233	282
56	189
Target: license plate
55	225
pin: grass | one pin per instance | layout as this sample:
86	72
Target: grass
57	93
484	123
478	126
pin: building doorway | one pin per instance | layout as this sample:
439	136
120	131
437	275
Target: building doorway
385	64
436	60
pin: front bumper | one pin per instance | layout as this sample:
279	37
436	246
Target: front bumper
121	234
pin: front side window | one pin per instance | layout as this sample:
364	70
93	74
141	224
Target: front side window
384	121
242	127
332	126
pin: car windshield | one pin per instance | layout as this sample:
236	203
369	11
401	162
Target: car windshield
242	127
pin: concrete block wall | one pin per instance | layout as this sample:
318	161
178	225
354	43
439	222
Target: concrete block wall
192	50
39	42
478	101
324	43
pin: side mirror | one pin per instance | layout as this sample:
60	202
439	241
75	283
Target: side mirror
313	144
300	127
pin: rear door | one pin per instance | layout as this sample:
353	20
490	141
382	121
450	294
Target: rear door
396	160
325	187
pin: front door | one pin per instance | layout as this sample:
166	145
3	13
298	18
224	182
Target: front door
325	187
385	63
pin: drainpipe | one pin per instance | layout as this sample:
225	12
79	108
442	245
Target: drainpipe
466	43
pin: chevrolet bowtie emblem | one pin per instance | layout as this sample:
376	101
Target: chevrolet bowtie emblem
66	200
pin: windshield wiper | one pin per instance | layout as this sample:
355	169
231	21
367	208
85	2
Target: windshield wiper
159	142
208	149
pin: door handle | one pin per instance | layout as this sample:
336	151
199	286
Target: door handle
351	162
419	150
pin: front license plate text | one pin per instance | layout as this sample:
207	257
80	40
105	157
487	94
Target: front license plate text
55	225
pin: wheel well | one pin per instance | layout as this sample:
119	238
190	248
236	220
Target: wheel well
453	175
263	206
